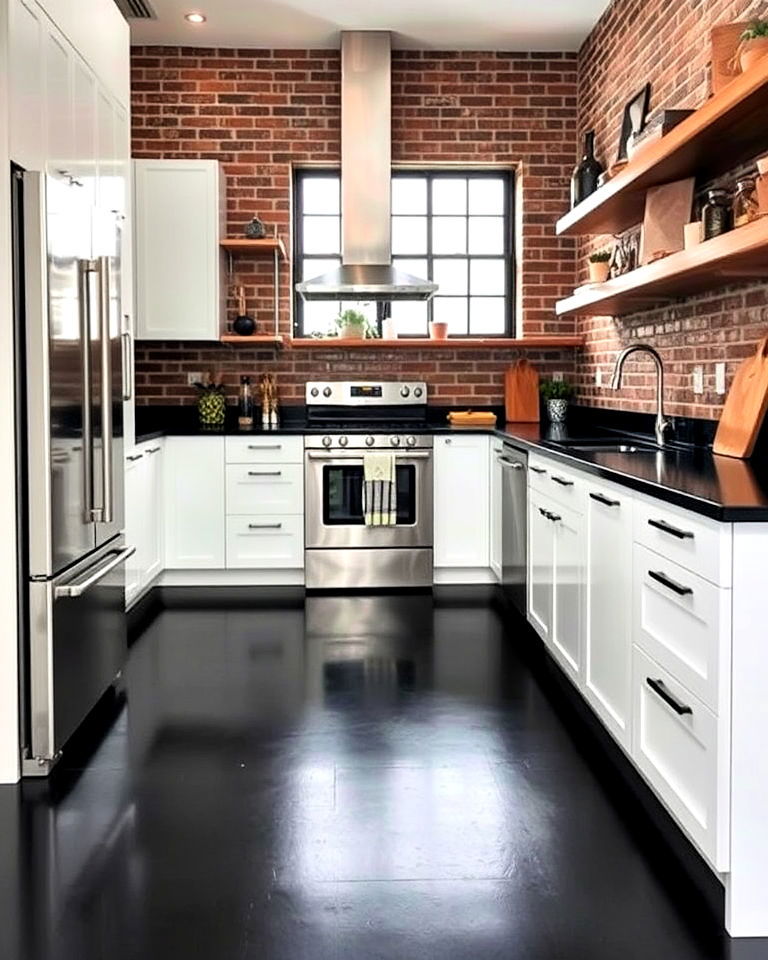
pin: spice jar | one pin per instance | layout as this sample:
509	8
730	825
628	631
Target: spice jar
745	205
716	214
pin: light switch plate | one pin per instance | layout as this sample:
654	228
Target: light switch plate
720	379
599	377
193	378
698	380
558	375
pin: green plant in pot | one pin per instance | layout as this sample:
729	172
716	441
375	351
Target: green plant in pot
599	266
754	44
556	394
211	403
353	325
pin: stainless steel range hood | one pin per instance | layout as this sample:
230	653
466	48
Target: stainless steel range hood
366	272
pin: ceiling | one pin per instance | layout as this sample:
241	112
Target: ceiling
436	24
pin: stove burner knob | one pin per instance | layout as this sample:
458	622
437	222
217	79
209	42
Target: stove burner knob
411	441
395	441
405	392
314	392
418	392
327	392
343	441
327	442
369	441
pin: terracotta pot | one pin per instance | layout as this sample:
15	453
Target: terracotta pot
598	272
752	51
352	332
438	331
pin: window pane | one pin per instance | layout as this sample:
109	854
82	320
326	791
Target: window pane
453	311
487	277
486	196
322	234
409	235
486	234
449	235
449	195
312	268
321	195
319	317
409	195
417	268
451	276
410	318
487	315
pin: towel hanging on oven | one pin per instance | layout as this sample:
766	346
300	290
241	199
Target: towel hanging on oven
379	490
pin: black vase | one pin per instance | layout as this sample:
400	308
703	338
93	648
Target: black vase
586	174
244	326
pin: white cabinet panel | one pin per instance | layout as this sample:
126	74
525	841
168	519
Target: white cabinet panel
265	449
194	503
178	262
541	562
135	530
84	93
144	516
495	508
568	589
462	501
265	542
26	84
58	61
152	467
263	489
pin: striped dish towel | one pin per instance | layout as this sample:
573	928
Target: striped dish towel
379	490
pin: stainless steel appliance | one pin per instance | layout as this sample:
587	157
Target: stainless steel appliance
514	518
341	551
68	321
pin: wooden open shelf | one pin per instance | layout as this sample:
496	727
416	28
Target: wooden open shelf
728	130
741	254
244	245
452	343
270	341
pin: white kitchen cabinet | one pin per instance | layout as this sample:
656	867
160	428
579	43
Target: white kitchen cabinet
144	517
179	266
26	84
495	508
541	562
568	577
608	606
195	507
462	501
135	533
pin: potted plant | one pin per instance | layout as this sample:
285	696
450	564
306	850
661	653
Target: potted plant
754	44
599	266
438	330
352	325
556	394
211	404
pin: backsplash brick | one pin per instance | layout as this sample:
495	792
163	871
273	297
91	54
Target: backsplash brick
259	112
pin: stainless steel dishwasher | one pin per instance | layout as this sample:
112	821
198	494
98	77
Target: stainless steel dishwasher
514	525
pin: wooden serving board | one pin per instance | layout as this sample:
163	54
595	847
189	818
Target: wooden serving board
471	418
521	393
745	407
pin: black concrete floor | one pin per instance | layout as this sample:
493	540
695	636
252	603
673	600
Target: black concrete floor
354	778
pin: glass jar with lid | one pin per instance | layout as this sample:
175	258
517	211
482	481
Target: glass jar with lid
745	204
716	213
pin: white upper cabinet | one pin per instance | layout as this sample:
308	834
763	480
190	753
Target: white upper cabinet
26	84
462	501
179	266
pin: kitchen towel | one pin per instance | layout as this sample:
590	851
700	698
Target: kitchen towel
379	490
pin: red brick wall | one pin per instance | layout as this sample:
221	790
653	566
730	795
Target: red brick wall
665	42
259	112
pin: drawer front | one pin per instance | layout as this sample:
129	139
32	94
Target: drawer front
681	748
683	622
265	449
263	543
696	543
561	484
265	489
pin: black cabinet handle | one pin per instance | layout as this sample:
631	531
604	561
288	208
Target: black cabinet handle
537	469
659	687
673	531
563	483
604	500
677	588
265	526
135	457
545	513
265	473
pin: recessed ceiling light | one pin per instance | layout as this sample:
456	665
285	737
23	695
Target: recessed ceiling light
194	17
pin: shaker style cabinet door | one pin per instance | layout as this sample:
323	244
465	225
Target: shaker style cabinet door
462	501
178	263
495	508
541	563
195	506
566	637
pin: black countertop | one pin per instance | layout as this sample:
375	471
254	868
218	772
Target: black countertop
689	476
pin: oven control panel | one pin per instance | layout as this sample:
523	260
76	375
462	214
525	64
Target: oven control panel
366	393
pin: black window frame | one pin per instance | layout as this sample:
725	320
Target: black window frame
431	174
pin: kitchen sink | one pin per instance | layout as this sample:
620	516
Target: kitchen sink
607	445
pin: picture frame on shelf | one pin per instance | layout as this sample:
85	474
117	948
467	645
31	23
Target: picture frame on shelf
626	254
633	121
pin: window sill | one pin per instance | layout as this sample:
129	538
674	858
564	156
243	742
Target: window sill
425	343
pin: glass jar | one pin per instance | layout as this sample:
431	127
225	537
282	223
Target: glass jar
716	214
745	205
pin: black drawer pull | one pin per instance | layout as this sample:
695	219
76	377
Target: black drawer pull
677	588
135	457
659	687
673	531
604	500
265	526
563	483
537	469
265	446
545	513
265	473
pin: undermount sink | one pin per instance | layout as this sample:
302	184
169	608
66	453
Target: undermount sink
608	445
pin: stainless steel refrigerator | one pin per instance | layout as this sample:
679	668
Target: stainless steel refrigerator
70	345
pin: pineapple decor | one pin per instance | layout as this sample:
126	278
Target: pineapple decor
211	404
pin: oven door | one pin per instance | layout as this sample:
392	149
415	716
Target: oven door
334	502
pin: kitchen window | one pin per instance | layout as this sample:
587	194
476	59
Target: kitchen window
452	227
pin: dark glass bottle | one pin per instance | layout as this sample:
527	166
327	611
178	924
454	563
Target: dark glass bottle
717	214
245	405
586	174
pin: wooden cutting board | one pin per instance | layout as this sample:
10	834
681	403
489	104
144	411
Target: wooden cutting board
521	393
745	407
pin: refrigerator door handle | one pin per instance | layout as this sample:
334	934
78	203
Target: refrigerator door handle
78	589
84	309
107	433
127	338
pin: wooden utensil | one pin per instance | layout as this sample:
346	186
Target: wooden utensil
521	393
745	407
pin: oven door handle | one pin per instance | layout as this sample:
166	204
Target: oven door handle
359	456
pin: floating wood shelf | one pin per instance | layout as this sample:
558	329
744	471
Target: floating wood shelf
728	129
452	343
244	245
255	341
741	254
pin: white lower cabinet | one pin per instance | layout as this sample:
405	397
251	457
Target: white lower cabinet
143	517
541	562
495	508
195	503
265	542
462	501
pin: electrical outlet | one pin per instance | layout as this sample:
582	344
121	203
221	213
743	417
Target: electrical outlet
720	379
599	377
193	378
698	380
558	375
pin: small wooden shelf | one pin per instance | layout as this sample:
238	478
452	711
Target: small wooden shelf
741	254
244	245
452	343
272	341
727	130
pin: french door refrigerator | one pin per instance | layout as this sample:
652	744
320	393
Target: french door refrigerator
68	318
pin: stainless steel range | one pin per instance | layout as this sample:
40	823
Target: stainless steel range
355	418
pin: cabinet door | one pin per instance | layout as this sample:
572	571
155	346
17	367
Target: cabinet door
84	166
495	469
123	193
541	562
608	599
153	491
134	525
568	590
462	501
26	84
194	503
58	60
177	256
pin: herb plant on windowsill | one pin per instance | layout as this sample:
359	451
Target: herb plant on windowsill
599	266
556	394
353	325
754	44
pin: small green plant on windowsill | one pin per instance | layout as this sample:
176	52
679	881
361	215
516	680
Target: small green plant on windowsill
556	394
599	266
354	325
753	45
600	256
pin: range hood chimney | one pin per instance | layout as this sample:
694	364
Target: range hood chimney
366	271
